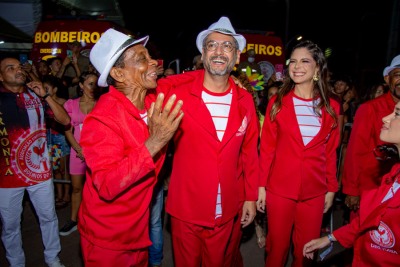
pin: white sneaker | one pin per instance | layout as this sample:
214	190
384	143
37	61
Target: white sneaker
57	263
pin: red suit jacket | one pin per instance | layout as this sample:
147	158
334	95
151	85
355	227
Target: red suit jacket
288	167
201	160
375	233
121	174
362	170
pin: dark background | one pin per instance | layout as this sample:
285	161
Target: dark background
360	37
359	34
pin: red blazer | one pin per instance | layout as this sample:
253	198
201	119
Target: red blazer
375	233
201	160
288	167
121	174
362	170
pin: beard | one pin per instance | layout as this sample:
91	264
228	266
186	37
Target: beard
396	91
218	71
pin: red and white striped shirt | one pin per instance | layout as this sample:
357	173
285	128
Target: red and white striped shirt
309	122
219	105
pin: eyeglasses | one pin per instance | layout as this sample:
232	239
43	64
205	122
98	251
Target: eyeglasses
226	46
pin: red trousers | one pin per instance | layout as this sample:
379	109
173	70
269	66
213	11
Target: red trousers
195	245
288	218
94	256
233	256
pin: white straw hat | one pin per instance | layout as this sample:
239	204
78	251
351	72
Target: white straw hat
223	25
108	49
394	65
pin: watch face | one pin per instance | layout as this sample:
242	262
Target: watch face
267	69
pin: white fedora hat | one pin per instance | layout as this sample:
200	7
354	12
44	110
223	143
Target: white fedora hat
223	25
108	49
394	65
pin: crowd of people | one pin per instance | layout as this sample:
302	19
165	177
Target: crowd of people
108	135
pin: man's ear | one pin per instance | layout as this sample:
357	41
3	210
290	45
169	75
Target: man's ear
117	74
386	78
238	57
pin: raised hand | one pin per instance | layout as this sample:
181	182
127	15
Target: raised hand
163	122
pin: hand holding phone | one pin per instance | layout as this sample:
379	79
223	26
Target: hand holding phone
23	58
69	54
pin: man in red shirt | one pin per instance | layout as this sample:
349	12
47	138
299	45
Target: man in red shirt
364	165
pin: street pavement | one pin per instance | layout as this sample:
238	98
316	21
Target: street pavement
70	255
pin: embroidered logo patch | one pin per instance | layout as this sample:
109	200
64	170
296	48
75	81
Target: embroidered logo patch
383	236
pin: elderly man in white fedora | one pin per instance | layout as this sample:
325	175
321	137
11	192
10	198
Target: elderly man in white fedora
214	179
123	140
363	164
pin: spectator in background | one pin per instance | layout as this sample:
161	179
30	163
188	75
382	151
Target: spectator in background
198	62
125	159
26	168
57	68
300	127
78	109
363	169
251	63
43	68
341	85
168	72
376	90
375	232
58	145
79	64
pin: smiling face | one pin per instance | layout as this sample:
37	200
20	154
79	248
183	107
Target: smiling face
302	66
137	69
220	54
390	131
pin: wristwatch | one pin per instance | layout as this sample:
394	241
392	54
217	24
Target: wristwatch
45	96
330	237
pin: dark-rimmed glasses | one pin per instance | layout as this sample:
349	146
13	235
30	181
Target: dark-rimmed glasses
226	46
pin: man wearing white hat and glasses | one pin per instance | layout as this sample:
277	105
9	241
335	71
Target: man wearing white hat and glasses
214	175
363	168
124	141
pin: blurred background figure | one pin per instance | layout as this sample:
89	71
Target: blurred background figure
43	68
58	146
168	72
197	63
376	90
251	62
78	109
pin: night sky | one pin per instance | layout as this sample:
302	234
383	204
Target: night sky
356	31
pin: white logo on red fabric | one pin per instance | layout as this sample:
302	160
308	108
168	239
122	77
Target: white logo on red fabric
383	236
32	157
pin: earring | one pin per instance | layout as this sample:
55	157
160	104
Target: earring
315	78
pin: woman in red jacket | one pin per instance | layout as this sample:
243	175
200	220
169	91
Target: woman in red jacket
375	233
298	156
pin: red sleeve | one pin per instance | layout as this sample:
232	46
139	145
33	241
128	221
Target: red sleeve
358	147
347	234
267	144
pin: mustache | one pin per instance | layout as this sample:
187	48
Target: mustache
20	75
225	59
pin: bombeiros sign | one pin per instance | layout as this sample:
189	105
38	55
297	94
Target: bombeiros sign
52	37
